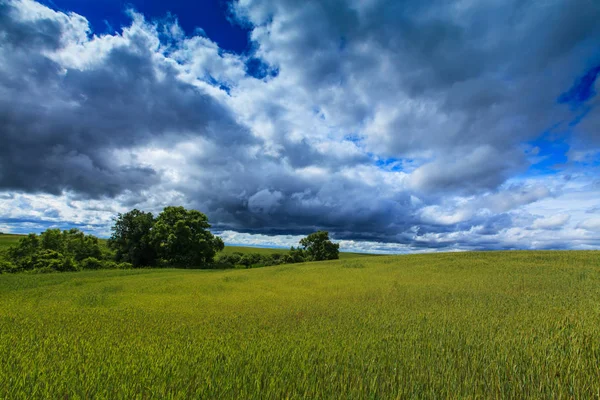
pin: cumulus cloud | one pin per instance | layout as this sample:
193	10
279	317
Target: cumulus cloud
62	122
396	126
591	224
553	222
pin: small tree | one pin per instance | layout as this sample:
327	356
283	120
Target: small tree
318	247
79	245
296	255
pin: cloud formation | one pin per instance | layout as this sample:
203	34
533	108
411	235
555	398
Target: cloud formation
401	126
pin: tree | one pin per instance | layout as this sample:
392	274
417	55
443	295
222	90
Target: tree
52	239
27	247
318	247
76	244
131	238
54	250
181	238
296	255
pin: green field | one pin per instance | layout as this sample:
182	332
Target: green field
7	240
497	324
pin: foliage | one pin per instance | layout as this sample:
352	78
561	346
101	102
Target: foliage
131	238
54	250
296	255
181	237
268	251
255	260
177	237
91	263
318	247
8	267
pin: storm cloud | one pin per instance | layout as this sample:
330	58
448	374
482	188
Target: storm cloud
400	125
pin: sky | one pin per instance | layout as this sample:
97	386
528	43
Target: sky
398	127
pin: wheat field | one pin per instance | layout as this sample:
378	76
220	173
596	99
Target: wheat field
452	325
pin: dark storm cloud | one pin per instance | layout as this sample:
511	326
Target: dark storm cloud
59	127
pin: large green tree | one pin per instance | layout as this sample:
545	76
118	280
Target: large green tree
181	238
131	239
318	247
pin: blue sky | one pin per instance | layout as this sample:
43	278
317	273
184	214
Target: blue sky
212	17
397	126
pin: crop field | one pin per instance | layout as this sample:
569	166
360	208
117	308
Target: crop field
496	324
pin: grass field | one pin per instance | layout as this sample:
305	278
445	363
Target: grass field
7	240
498	324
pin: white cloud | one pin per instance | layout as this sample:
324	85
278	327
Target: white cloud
553	222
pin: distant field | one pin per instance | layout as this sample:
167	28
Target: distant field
455	325
7	240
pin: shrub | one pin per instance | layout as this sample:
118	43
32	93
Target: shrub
109	264
47	259
44	270
90	263
6	267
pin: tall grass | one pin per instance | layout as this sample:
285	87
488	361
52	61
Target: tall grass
498	324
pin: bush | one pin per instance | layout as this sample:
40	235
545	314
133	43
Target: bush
44	270
55	250
109	264
48	259
90	263
6	267
124	265
228	260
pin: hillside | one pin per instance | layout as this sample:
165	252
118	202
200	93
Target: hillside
492	325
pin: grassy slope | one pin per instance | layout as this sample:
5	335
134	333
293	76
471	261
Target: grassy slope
499	324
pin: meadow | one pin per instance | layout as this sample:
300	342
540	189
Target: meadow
455	325
7	240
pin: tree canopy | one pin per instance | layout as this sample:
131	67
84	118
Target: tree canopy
177	237
131	239
318	247
53	250
181	238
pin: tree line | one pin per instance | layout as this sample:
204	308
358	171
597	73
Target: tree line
177	237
